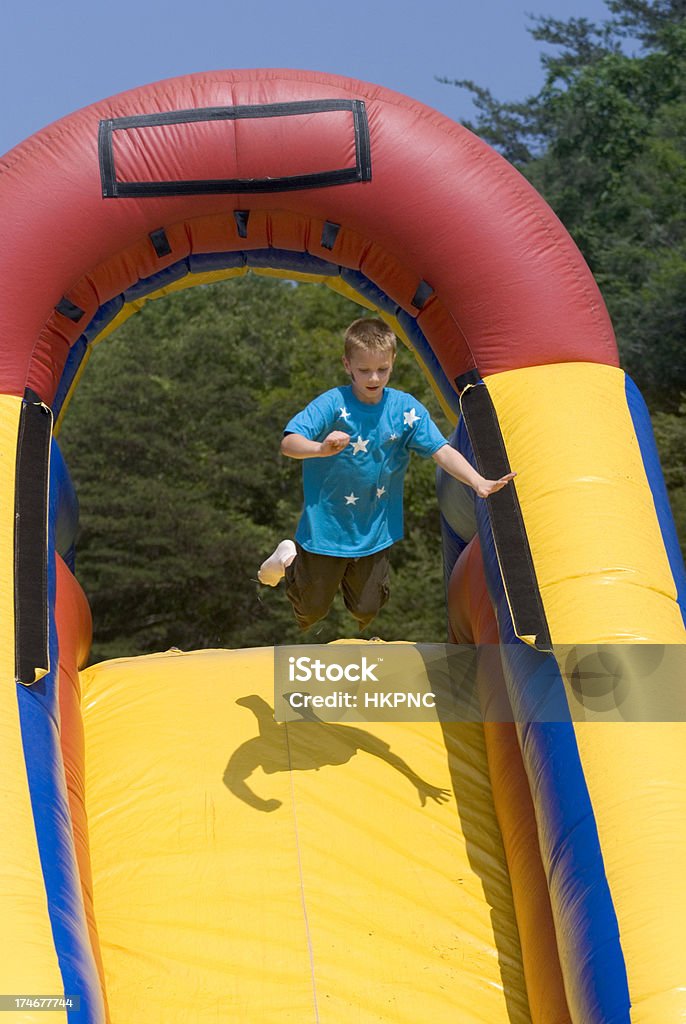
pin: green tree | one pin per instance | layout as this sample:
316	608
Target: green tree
604	143
670	434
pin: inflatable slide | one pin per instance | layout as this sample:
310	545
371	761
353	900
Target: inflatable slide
171	851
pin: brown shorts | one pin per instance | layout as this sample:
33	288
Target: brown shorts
313	580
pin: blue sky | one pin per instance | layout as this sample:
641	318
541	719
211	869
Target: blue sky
59	57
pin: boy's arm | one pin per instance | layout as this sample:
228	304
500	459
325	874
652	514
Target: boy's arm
296	446
452	462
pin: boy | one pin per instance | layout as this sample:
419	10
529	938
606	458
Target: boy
355	443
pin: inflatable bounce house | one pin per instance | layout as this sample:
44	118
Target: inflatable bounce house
171	853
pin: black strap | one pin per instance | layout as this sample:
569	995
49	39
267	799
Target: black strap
329	234
31	543
160	242
422	295
468	377
67	308
507	522
242	217
224	186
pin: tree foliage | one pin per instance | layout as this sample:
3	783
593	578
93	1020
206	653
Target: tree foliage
604	142
172	439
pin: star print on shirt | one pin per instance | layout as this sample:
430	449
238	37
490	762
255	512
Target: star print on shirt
351	499
380	491
410	418
393	437
360	445
344	414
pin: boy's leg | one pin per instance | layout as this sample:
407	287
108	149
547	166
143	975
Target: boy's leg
311	584
366	586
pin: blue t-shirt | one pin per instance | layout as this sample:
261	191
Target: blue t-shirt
353	501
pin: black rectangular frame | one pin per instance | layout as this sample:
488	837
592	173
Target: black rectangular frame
113	189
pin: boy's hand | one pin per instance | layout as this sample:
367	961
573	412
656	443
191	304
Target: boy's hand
334	443
486	487
454	462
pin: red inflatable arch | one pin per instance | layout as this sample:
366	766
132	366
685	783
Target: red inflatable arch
356	175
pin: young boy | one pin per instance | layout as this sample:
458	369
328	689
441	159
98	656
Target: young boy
355	443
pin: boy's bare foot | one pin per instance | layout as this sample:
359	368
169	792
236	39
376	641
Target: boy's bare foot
272	570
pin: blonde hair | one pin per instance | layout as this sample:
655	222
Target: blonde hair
369	334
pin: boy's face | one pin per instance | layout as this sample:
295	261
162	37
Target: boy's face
369	370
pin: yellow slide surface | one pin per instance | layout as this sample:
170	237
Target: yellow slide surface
306	872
